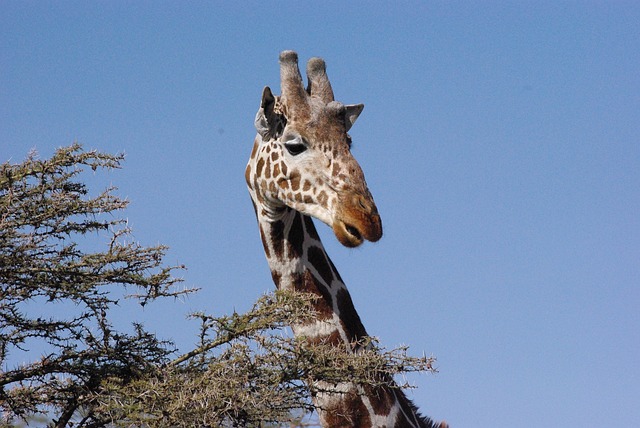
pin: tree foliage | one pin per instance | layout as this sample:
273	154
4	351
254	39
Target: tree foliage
44	214
245	371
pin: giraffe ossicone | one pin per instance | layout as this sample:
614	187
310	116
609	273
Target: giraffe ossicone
301	167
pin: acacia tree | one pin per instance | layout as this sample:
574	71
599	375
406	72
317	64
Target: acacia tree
44	213
89	373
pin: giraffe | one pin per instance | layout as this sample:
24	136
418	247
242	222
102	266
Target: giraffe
300	167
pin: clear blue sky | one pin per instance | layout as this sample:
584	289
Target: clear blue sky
501	141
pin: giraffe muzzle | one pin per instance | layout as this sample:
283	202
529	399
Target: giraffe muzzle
356	221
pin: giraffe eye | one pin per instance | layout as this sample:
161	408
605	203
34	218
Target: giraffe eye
295	147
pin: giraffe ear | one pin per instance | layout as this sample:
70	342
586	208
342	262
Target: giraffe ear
351	113
265	121
268	99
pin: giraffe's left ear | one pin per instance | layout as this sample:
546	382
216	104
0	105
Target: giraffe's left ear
266	120
351	113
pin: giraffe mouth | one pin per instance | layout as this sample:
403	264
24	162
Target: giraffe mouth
348	235
351	230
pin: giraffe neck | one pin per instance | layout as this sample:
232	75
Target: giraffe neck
298	261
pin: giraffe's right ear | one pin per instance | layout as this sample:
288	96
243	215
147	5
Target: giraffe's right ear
266	121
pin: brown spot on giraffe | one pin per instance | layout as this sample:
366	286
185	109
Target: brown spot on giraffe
259	167
295	238
294	179
322	197
310	228
267	251
267	168
254	150
336	274
322	306
276	238
349	316
318	260
247	174
350	413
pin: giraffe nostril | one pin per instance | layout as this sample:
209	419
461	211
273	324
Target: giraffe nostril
365	205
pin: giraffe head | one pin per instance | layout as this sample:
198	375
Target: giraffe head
302	157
